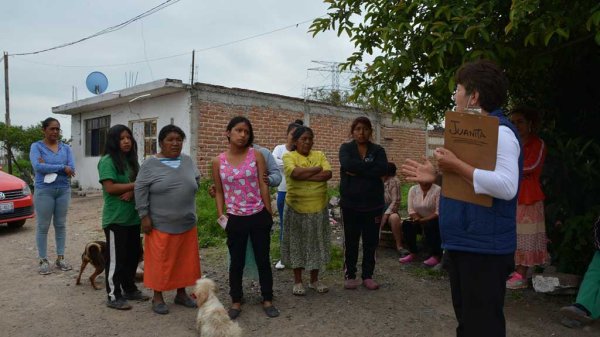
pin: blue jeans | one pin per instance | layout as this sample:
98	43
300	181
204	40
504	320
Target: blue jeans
280	204
51	203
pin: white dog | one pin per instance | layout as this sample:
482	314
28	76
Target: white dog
212	319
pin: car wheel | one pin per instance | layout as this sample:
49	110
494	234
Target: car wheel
16	224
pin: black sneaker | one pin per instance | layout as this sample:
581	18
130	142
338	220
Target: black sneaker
136	295
119	304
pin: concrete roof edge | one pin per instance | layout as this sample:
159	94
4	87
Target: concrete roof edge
162	86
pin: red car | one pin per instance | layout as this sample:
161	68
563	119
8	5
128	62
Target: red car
16	201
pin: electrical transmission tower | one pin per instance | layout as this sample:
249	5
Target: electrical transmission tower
330	73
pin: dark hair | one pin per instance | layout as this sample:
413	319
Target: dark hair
391	169
485	77
360	120
530	114
46	122
112	148
241	119
295	124
168	129
300	130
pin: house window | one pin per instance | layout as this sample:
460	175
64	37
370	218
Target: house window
95	135
144	133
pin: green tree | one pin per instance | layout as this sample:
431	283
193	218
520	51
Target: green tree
419	44
550	51
19	139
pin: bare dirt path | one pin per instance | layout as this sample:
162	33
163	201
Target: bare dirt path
406	305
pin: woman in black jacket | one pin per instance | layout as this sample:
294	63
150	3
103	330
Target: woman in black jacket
362	166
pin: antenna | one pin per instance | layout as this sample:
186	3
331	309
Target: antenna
131	79
96	82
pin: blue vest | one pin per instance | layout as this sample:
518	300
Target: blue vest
487	230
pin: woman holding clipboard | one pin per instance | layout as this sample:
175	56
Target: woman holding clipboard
480	240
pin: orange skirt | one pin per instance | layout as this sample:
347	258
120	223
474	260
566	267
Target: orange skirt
171	261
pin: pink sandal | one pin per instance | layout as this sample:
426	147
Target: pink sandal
407	259
431	262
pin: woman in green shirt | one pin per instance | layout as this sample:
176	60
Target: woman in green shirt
117	170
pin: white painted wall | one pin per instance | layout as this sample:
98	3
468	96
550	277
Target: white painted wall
163	108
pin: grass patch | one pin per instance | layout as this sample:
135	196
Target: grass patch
333	191
209	232
404	201
337	258
427	273
275	245
515	295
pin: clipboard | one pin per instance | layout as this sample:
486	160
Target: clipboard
474	140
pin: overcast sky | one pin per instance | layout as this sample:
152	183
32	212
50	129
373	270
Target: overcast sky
274	63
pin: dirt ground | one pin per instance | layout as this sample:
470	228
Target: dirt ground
409	303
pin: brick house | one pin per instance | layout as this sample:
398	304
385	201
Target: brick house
203	111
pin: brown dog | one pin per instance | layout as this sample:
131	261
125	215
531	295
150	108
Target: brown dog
94	254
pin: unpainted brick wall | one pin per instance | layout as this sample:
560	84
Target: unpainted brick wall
270	115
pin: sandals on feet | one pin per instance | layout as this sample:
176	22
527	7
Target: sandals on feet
298	289
271	311
160	308
318	287
187	302
234	313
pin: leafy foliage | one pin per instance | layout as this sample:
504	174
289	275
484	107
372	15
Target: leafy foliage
209	232
571	182
19	140
549	50
419	44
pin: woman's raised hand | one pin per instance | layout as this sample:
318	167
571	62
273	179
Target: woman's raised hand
419	172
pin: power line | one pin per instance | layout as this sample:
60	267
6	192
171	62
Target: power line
107	30
255	36
103	65
295	25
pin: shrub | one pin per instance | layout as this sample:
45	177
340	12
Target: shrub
209	232
571	181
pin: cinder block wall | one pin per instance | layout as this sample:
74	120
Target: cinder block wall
270	114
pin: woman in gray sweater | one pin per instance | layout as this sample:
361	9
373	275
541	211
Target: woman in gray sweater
165	192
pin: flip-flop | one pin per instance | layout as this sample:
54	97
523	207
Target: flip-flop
234	313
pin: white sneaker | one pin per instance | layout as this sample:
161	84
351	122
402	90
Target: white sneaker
279	265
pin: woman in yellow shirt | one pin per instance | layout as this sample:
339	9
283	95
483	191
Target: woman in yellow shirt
306	238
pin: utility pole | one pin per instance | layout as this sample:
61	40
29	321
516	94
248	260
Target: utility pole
193	66
7	116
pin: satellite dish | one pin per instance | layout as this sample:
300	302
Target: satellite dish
96	82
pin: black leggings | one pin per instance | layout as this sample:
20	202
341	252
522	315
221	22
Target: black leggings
431	231
357	224
258	228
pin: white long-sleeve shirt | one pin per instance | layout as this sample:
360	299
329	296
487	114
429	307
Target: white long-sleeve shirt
503	181
278	153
